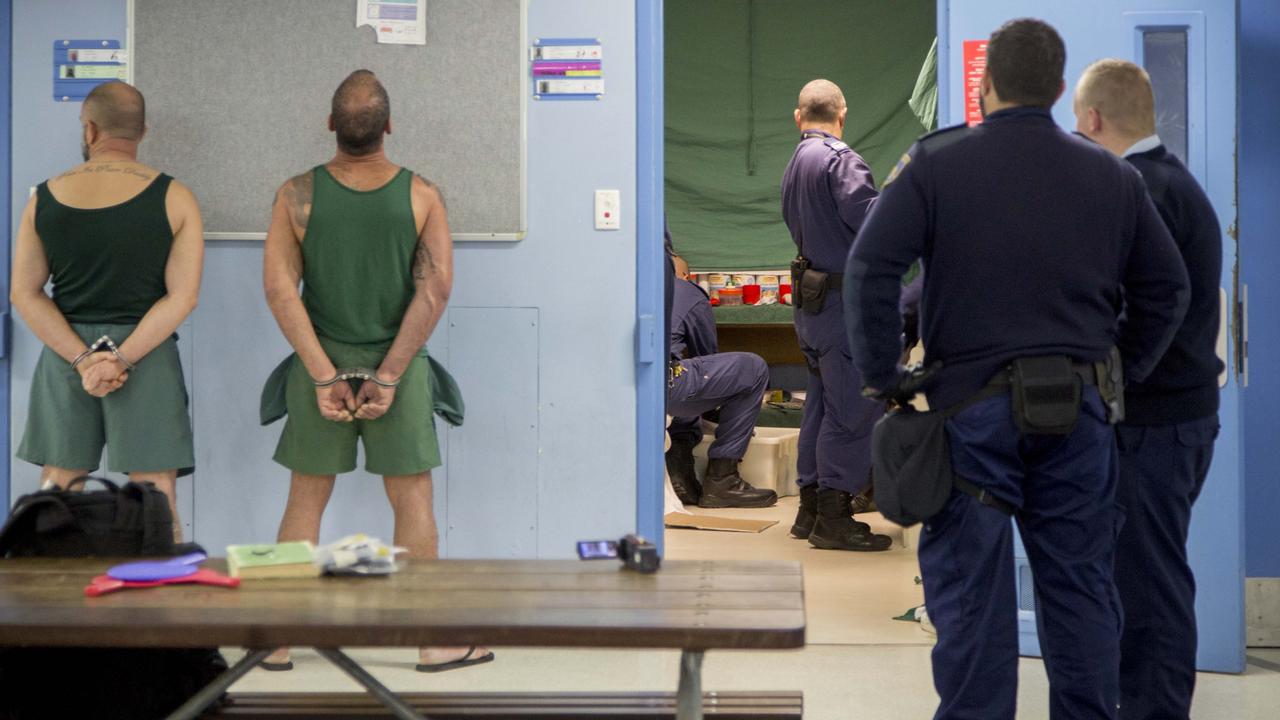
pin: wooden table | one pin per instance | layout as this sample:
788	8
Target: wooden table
692	605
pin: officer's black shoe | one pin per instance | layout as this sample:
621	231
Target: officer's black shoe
807	515
836	529
680	467
723	487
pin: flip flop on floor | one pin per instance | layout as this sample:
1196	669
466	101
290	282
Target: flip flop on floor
464	661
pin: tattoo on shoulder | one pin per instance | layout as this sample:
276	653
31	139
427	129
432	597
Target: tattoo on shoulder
435	187
297	193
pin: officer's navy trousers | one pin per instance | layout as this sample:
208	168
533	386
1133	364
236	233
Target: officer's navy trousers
1064	487
835	427
1162	469
734	382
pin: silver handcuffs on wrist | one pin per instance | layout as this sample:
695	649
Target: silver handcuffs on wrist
99	345
358	373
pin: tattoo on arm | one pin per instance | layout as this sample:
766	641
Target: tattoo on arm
424	263
298	193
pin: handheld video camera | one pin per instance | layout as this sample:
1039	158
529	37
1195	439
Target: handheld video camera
635	552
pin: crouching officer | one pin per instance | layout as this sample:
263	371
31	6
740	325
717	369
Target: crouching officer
702	379
827	191
1171	419
1032	240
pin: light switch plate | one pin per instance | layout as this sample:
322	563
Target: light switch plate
607	210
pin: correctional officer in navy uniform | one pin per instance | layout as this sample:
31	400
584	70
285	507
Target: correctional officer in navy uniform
703	379
827	191
1171	418
1032	240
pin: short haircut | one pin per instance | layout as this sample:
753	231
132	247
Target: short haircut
1121	93
118	109
361	110
1025	59
820	101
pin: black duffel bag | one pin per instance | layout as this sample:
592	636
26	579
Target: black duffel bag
102	683
128	521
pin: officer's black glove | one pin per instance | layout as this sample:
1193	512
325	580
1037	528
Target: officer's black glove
906	386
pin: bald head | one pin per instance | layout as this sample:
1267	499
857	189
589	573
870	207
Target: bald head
361	110
117	109
1120	92
820	102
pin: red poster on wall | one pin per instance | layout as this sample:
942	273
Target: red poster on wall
975	66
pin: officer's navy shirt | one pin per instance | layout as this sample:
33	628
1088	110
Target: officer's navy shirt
1026	234
1184	385
693	326
827	191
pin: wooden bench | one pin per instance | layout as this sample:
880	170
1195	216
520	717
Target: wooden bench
523	706
695	606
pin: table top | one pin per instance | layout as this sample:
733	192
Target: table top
545	603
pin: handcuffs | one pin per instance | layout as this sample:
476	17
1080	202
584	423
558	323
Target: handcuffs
98	346
358	373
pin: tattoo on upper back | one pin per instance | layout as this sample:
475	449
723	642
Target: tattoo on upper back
108	170
297	194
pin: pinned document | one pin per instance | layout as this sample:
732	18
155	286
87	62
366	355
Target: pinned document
396	22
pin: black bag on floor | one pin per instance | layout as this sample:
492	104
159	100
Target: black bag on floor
101	683
128	521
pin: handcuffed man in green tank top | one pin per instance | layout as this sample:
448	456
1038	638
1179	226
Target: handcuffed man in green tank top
123	245
369	242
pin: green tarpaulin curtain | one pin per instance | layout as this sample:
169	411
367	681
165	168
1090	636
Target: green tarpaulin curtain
733	71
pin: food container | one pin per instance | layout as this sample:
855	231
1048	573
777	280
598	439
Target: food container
784	294
741	279
731	296
768	287
750	294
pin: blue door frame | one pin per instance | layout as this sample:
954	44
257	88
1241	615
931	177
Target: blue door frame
7	223
650	264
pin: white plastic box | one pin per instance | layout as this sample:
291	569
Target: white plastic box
770	462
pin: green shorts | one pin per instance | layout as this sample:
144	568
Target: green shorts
402	442
144	425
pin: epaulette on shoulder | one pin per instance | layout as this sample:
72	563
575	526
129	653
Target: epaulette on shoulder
838	145
943	137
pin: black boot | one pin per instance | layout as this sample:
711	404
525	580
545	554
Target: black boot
680	467
837	530
723	487
807	515
865	502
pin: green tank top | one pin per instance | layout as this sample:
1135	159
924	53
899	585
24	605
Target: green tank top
357	256
107	264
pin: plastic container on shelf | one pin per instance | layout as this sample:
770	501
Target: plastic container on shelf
730	296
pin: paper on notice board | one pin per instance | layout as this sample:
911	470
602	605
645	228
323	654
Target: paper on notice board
397	22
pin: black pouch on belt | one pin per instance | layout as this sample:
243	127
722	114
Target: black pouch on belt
798	268
1046	395
813	290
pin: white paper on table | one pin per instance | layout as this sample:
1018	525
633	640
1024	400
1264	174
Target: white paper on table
396	22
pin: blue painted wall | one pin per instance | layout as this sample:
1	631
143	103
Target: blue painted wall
566	470
1260	266
1093	29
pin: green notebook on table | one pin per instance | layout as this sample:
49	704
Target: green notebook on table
281	560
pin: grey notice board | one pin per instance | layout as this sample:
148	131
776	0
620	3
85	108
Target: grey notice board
238	95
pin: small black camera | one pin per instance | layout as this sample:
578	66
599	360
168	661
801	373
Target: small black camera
635	552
